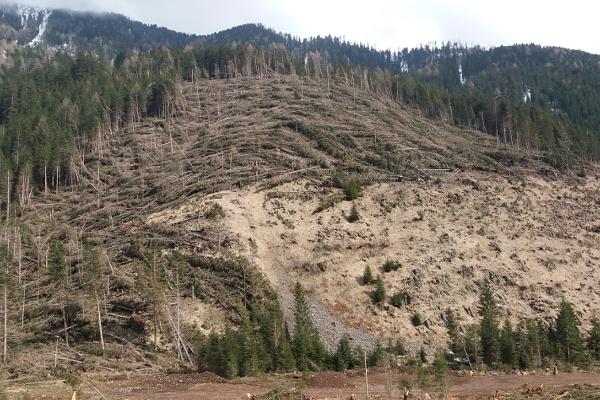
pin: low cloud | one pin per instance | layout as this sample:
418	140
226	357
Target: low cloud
384	23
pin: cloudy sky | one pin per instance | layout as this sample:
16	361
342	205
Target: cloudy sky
382	23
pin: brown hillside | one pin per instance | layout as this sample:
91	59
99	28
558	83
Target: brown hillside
446	203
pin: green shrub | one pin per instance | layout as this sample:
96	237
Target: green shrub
390	266
324	204
417	319
351	186
215	212
367	278
581	173
398	299
397	347
423	355
379	292
404	383
354	215
352	189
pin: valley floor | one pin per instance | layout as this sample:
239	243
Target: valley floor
577	386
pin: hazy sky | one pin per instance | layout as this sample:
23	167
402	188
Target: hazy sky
382	23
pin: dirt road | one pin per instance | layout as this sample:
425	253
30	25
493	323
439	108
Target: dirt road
461	387
321	386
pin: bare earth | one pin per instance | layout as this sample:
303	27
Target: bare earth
195	387
533	236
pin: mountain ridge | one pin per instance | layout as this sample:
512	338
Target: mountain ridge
501	90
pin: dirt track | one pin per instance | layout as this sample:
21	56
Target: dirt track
462	387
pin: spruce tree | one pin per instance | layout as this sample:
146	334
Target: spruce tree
354	215
277	338
343	355
284	361
453	334
249	346
535	340
379	292
593	341
57	264
442	373
508	345
211	356
567	334
524	348
367	278
489	327
377	356
229	358
309	351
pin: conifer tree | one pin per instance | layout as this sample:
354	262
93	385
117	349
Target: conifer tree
377	356
593	341
231	354
453	334
59	275
343	355
567	334
249	346
367	278
57	264
379	292
285	361
309	351
508	345
423	356
534	345
442	373
354	215
213	356
489	327
276	338
524	350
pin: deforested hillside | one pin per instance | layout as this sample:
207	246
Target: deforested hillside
201	220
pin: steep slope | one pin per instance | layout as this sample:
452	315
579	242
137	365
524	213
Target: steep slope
74	31
508	91
445	202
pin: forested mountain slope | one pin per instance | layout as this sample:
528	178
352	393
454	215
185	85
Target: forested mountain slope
106	34
170	226
159	207
502	91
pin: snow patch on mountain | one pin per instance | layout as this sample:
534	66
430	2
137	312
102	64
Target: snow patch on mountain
527	95
27	13
460	73
42	29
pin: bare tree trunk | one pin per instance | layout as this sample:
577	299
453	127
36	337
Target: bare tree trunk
45	178
5	319
65	322
100	324
7	197
23	307
366	378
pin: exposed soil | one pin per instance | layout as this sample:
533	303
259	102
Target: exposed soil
328	380
533	236
580	386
